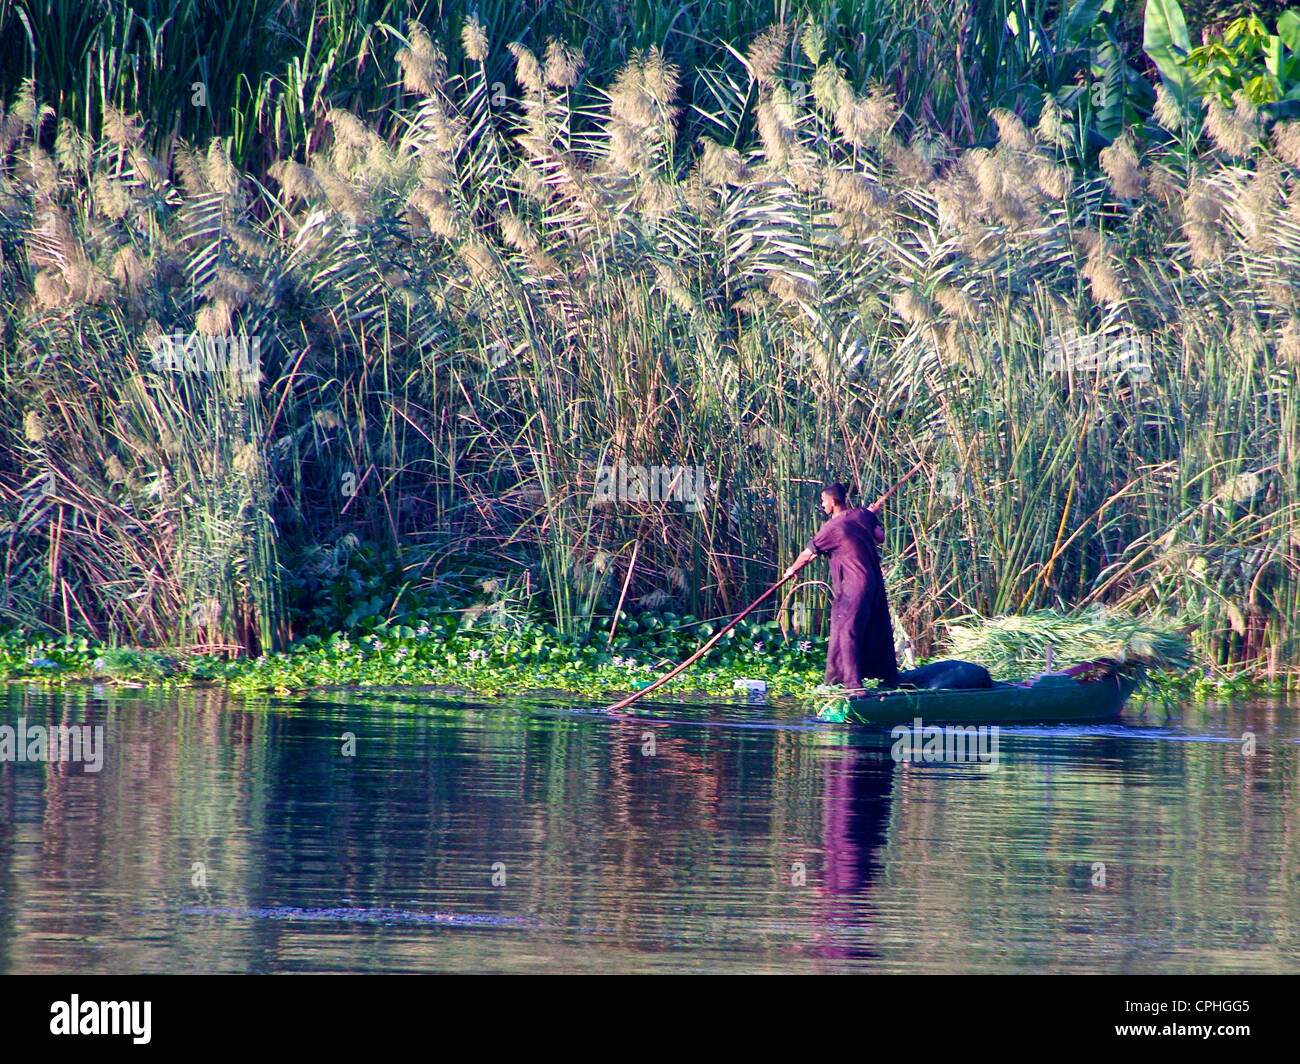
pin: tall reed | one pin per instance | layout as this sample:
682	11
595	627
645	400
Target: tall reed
468	309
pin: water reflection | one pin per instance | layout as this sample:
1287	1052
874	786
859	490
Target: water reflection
385	831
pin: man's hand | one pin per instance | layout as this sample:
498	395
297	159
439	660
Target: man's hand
804	558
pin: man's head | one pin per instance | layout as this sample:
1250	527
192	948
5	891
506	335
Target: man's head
834	498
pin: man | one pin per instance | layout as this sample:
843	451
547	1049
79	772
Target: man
862	637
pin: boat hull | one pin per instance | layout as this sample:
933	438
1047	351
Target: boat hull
1051	699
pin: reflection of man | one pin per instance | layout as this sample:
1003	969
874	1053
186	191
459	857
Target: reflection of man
862	638
856	800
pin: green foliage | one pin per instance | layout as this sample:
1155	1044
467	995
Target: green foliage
467	311
1247	58
1239	60
1015	647
1166	41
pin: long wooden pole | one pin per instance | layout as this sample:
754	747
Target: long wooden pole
624	703
702	651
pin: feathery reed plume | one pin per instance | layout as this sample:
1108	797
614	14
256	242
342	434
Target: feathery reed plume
148	169
516	232
296	181
44	172
907	160
913	307
1203	203
1286	142
1051	128
532	184
1167	110
958	304
1012	133
1119	162
1053	180
480	261
1257	206
853	192
71	149
721	166
348	128
1203	242
248	241
214	318
563	64
50	290
120	129
880	110
812	39
1106	284
344	196
656	198
51	241
1244	111
777	137
247	461
441	217
862	119
424	67
474	39
789	288
191	168
232	286
674	288
25	115
659	76
129	270
957	199
33	427
220	171
998	180
766	53
1164	187
528	72
1202	208
1288	343
86	284
830	89
110	198
1233	132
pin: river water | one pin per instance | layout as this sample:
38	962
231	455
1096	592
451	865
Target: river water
407	831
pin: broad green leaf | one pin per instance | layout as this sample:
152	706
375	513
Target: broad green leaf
1273	56
1076	27
1165	40
1288	28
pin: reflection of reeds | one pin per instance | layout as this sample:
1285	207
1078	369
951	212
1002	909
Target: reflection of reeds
464	314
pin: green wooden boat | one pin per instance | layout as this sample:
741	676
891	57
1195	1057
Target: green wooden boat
1054	698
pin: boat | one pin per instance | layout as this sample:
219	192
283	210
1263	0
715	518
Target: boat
1095	691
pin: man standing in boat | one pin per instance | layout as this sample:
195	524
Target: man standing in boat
862	637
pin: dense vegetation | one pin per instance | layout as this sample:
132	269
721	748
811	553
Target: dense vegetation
779	256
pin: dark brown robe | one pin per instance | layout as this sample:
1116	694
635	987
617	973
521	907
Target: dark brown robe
862	638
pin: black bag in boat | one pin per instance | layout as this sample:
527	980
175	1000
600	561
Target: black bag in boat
951	675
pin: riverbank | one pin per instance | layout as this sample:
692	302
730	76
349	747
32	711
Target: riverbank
425	656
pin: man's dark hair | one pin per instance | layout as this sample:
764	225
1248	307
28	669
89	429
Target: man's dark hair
839	493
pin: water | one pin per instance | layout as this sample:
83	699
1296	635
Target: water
224	835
